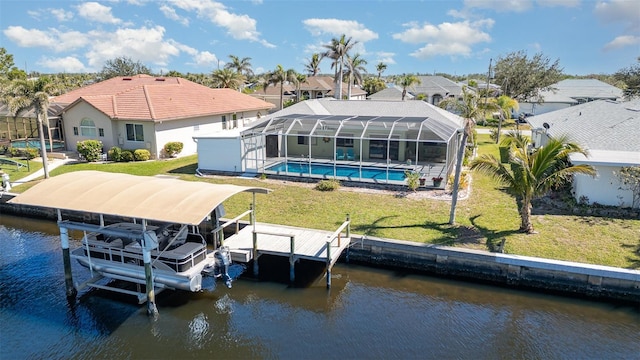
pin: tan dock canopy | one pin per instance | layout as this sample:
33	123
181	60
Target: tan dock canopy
140	197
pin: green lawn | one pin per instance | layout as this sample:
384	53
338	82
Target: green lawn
483	220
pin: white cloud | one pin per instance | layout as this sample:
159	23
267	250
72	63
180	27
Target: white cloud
619	12
170	13
445	39
500	6
385	57
622	41
239	27
93	11
558	3
51	39
205	59
336	27
144	44
61	14
69	64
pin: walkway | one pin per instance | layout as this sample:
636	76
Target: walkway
53	163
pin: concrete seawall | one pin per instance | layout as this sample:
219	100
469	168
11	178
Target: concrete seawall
592	281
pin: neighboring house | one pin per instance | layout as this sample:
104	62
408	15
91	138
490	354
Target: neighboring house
609	130
435	89
353	135
145	112
392	93
315	87
568	93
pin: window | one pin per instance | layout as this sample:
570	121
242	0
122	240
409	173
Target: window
235	121
302	140
134	132
224	122
345	142
101	132
87	128
75	130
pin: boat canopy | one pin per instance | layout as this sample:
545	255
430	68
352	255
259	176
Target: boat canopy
141	197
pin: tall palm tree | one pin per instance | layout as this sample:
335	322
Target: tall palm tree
312	67
407	81
280	76
506	104
380	68
337	51
21	95
531	175
355	70
300	79
469	108
241	66
227	78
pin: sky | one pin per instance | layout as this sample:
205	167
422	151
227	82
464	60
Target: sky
457	37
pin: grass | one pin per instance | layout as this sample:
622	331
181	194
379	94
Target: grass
14	173
482	221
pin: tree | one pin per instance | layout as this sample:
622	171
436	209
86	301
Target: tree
300	79
630	76
241	66
24	94
337	51
355	69
372	85
280	76
122	66
8	71
531	175
523	78
469	108
380	68
312	67
506	105
629	177
227	78
407	81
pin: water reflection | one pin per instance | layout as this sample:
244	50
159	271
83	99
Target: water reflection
368	313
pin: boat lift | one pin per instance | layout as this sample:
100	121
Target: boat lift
139	198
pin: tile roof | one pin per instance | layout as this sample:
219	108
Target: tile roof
313	83
143	97
597	125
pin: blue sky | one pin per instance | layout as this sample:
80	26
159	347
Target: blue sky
197	36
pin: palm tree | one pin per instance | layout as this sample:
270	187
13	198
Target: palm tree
241	66
24	94
506	104
469	108
407	81
227	78
337	51
300	78
355	69
380	68
313	66
280	76
532	174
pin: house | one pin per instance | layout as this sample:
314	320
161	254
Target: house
365	141
315	87
435	89
609	130
146	112
568	93
393	93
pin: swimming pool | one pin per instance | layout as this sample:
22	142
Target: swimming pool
354	173
35	143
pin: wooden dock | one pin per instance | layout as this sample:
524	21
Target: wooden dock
295	243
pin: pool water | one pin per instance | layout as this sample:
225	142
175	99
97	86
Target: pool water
351	172
36	144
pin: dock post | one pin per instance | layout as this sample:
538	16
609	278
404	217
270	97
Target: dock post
147	244
255	253
66	259
252	216
292	260
348	225
328	264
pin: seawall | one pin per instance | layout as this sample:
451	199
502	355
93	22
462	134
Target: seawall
576	279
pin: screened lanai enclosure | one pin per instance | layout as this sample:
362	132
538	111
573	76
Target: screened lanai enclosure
370	149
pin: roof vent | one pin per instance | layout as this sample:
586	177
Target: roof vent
126	78
159	79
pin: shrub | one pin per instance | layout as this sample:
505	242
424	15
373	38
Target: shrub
413	179
115	154
31	153
328	185
90	149
4	149
15	152
141	155
263	176
126	156
464	179
173	148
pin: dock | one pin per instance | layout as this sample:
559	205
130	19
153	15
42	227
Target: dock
295	243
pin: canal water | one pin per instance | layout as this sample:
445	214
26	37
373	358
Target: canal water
368	314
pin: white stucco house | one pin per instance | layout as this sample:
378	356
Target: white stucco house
571	92
145	112
610	131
